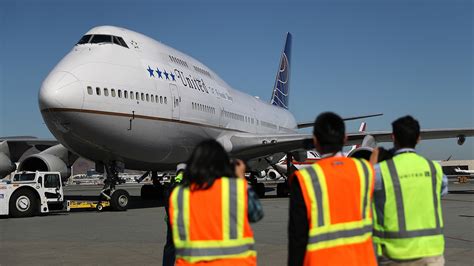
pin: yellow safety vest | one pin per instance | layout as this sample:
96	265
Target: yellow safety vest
408	217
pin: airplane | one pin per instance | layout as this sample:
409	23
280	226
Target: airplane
279	169
459	170
127	101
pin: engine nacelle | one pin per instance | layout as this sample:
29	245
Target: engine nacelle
45	163
273	174
54	159
361	153
6	165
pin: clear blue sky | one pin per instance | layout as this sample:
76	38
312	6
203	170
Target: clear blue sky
351	57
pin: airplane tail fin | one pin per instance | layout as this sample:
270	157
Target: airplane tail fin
281	88
362	128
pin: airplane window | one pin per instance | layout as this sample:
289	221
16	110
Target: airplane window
112	92
101	38
161	99
106	92
89	90
84	39
125	94
147	97
97	91
143	96
156	98
119	93
152	98
131	95
122	42
137	96
116	40
166	101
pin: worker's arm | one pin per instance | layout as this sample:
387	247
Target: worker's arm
378	178
298	227
444	186
255	210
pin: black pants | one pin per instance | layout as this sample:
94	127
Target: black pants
168	250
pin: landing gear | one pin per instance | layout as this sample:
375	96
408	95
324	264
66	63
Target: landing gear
155	191
119	198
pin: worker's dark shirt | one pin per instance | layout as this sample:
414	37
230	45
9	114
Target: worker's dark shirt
298	228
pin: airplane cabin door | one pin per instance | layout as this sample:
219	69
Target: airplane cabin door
175	101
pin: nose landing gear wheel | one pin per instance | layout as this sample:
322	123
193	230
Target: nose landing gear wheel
119	200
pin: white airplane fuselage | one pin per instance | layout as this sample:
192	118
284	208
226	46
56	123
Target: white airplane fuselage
87	103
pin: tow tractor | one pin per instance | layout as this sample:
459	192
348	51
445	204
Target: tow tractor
31	193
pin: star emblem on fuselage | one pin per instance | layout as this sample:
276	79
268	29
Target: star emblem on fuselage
159	72
150	71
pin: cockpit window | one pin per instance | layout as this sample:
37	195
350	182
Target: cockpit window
84	39
99	38
122	42
102	38
116	41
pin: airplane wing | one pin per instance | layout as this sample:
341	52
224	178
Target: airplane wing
310	124
249	146
20	144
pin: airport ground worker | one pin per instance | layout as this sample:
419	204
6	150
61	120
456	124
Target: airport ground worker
210	212
408	221
330	204
168	249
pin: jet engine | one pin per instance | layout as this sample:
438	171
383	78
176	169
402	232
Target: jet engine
6	164
365	149
53	159
273	174
361	153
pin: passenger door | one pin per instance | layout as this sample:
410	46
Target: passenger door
175	101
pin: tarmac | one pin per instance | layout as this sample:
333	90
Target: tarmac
136	237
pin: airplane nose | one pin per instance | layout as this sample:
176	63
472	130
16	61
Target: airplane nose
61	89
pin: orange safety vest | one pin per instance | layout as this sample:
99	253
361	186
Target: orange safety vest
211	226
338	194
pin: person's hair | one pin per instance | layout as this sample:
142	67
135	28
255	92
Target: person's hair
330	131
208	162
406	131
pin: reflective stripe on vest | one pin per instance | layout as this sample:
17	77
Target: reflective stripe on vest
231	244
402	228
322	233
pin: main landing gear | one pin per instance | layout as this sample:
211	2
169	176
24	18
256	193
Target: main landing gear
118	198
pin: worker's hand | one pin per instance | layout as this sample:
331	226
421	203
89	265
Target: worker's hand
239	168
374	157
